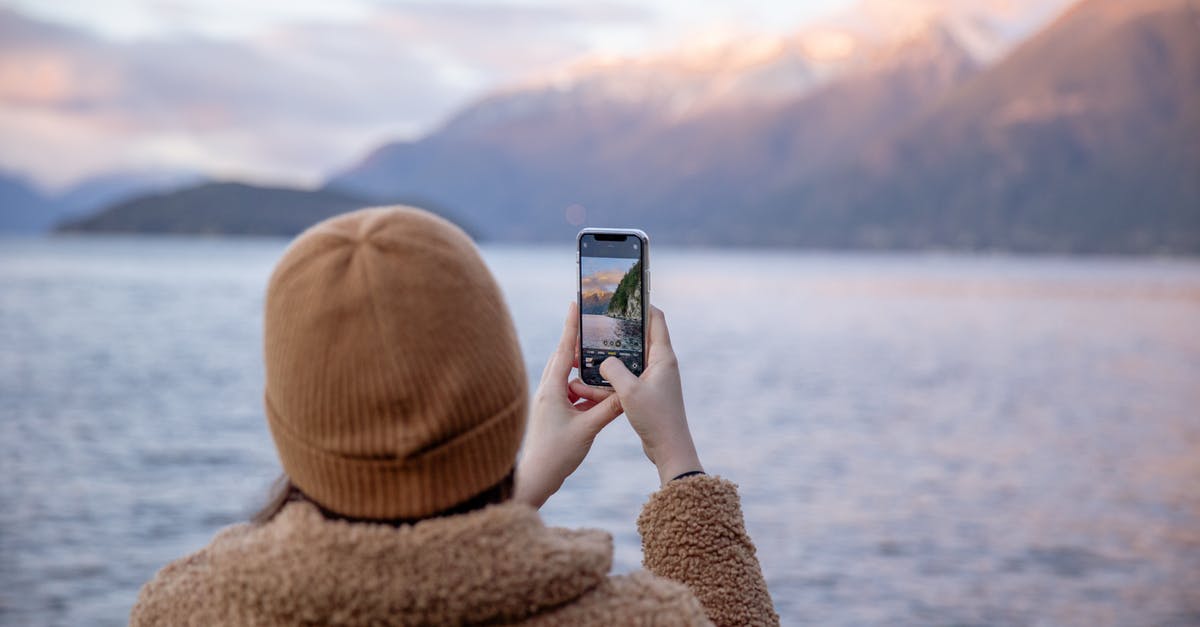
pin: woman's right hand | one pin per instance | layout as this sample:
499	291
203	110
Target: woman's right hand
654	403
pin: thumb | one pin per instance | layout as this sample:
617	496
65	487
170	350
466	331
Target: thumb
622	380
603	413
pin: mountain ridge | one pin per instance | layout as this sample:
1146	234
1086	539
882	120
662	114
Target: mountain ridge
862	161
1081	149
1074	141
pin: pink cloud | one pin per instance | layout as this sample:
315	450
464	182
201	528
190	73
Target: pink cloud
291	103
604	280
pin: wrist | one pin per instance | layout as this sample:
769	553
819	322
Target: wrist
524	494
682	462
533	488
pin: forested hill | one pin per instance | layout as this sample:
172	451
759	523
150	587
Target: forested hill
627	298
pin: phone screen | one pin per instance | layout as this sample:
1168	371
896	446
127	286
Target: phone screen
612	298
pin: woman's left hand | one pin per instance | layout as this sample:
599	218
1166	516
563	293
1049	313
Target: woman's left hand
563	422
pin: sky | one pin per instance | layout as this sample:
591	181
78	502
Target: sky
291	91
603	273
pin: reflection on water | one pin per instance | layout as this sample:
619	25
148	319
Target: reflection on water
603	332
918	439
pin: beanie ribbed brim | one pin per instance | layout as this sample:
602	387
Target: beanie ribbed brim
418	486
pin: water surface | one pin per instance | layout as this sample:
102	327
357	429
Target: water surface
918	439
603	332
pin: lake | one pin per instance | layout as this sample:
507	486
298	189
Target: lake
603	332
919	439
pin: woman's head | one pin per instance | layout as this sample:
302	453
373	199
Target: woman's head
395	385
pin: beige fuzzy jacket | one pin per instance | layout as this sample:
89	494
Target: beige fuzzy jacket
495	565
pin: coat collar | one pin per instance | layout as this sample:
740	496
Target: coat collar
498	563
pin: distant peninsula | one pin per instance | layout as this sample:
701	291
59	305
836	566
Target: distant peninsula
226	208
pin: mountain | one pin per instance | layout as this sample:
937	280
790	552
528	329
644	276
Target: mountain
1079	139
1085	139
596	302
737	159
23	208
669	157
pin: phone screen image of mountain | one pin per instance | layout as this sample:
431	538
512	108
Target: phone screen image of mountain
611	304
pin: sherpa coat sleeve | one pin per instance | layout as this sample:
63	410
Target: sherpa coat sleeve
692	532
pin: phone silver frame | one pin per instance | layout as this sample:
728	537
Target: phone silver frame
645	258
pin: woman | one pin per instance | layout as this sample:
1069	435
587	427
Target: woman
396	397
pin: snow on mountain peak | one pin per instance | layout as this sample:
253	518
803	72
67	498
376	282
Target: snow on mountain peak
987	29
717	69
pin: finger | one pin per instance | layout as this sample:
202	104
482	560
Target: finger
622	380
576	364
572	397
660	337
546	369
583	390
602	414
559	365
658	327
584	405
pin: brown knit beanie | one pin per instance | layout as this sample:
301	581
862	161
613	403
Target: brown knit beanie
395	383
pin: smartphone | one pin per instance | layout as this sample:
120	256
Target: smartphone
613	266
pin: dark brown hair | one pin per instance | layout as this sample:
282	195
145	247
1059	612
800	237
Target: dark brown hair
283	491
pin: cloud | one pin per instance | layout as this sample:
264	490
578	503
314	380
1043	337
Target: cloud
496	15
603	280
292	90
291	102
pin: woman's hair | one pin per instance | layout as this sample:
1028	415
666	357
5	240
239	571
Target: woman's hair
283	491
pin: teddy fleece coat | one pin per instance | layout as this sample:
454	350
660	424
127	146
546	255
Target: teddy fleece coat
495	565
